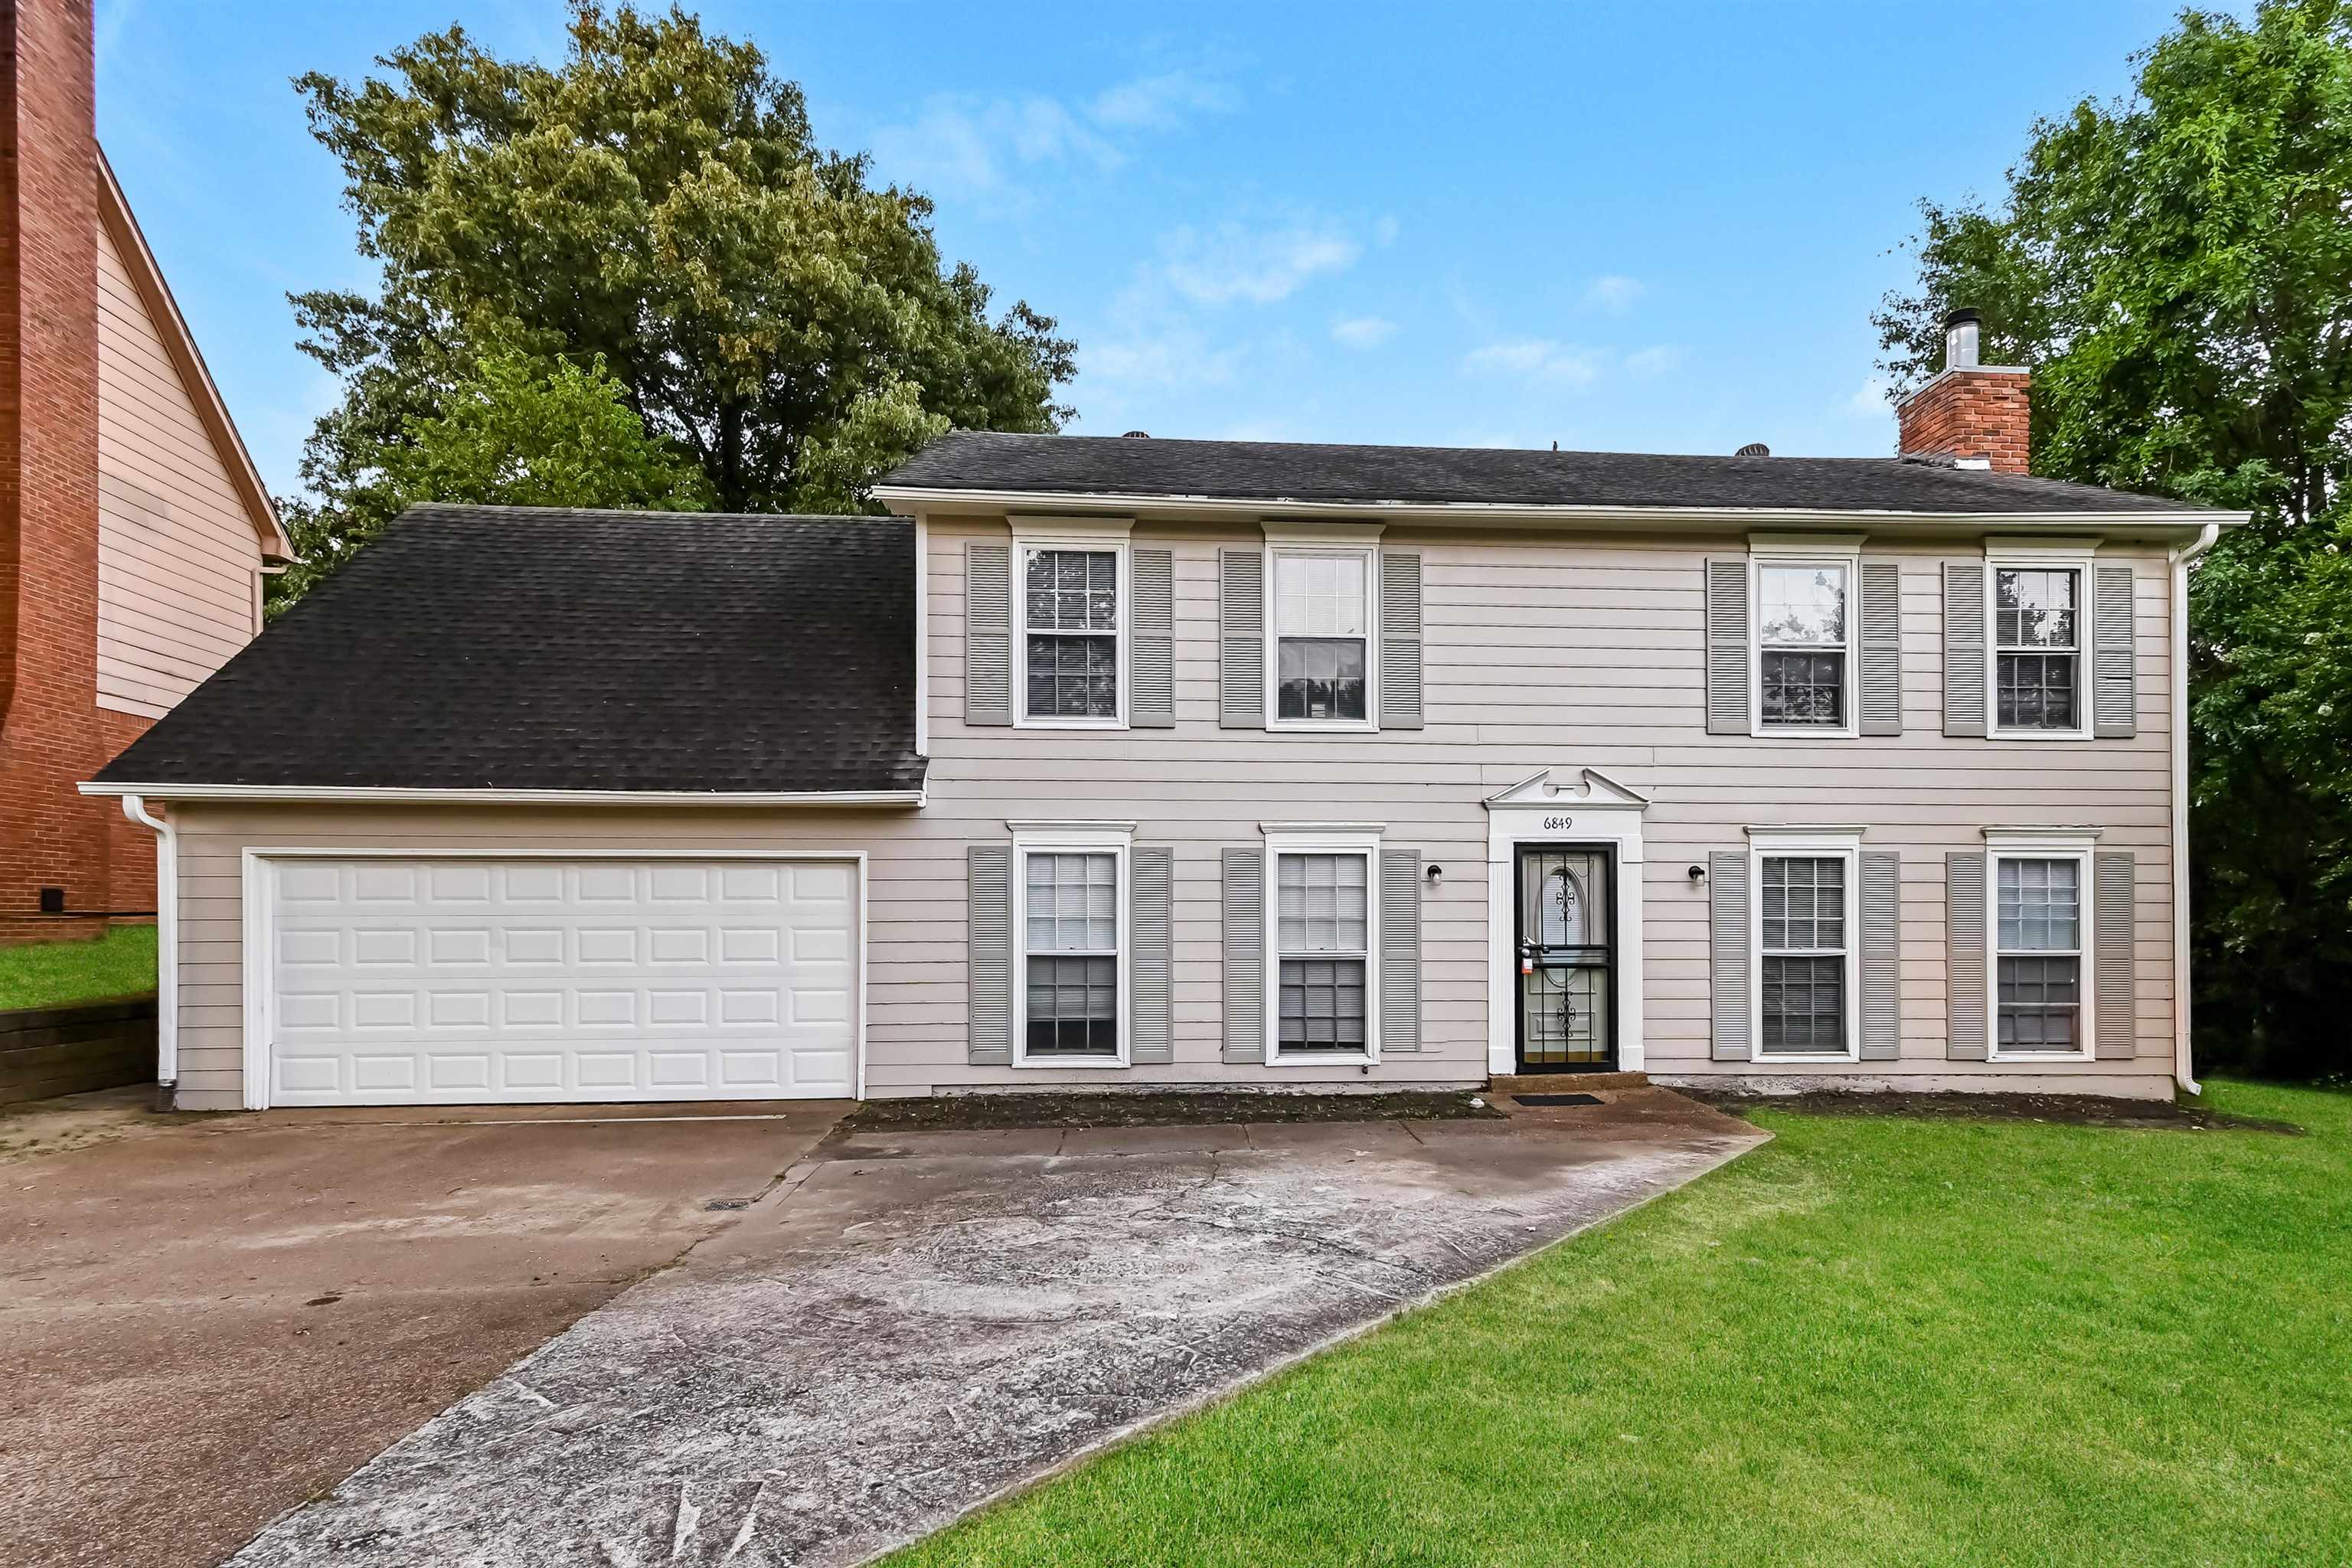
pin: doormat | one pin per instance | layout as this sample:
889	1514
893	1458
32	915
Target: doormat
1557	1098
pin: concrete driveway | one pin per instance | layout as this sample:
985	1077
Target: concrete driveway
914	1325
208	1319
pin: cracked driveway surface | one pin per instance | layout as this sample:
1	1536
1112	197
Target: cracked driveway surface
922	1322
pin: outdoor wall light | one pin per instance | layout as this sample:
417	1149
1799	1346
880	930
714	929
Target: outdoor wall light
1697	875
1436	874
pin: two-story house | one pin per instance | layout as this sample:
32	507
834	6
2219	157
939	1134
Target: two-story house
134	530
1125	763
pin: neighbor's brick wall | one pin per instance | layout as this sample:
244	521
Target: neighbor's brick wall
50	737
1971	413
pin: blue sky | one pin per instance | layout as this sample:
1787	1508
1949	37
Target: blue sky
1634	226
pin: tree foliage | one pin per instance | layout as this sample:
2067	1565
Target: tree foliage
654	201
2177	270
518	431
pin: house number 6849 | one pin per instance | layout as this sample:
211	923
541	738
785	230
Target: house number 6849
1559	824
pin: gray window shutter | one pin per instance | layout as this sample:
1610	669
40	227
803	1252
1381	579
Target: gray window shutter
1964	647
1150	934
1152	640
1244	876
1400	951
2112	875
1399	640
1881	1028
2115	691
987	633
1728	705
1727	882
989	919
1241	639
1965	978
1882	647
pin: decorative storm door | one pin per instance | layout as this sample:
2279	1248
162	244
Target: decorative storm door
1567	960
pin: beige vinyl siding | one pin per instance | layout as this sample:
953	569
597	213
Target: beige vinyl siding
178	559
1541	651
1544	650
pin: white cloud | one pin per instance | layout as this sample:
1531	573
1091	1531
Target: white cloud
1362	332
1537	359
1614	293
1161	102
969	147
1869	399
1657	359
1229	262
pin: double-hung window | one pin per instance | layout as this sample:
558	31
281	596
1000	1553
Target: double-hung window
1323	611
2037	627
2038	947
1072	927
1806	956
1324	932
1804	645
1070	632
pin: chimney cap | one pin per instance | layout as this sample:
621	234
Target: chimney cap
1964	313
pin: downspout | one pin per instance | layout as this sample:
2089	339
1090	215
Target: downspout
167	948
2183	1072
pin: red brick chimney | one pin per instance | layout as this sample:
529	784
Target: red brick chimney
1974	414
50	836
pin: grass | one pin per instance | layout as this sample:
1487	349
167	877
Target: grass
120	963
1876	1341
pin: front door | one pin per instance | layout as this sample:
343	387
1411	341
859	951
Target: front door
1567	958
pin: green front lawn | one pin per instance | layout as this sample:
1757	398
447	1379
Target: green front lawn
1873	1341
120	963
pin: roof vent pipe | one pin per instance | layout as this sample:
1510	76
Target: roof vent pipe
1136	435
1961	340
1754	449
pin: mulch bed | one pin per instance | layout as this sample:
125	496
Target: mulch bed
2074	1110
1175	1108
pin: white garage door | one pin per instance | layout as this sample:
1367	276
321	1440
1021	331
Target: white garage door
465	981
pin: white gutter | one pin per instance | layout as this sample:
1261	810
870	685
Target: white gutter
333	794
2183	1072
167	944
1131	502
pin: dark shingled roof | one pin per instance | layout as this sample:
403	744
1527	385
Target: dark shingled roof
474	648
1278	470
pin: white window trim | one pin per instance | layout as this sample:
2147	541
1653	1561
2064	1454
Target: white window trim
1032	537
2024	558
1805	550
1803	844
1278	546
1114	839
1277	845
2026	843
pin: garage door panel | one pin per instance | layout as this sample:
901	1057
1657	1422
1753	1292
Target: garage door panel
553	980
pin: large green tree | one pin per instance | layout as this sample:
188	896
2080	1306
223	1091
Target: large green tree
2177	267
518	431
654	200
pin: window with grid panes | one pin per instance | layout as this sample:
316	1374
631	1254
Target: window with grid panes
1070	611
1322	622
1070	953
1322	932
1804	955
2038	937
2038	649
1801	645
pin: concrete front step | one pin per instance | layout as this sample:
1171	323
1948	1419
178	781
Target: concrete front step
1563	1082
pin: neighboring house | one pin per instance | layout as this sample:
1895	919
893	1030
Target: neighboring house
1132	762
134	530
